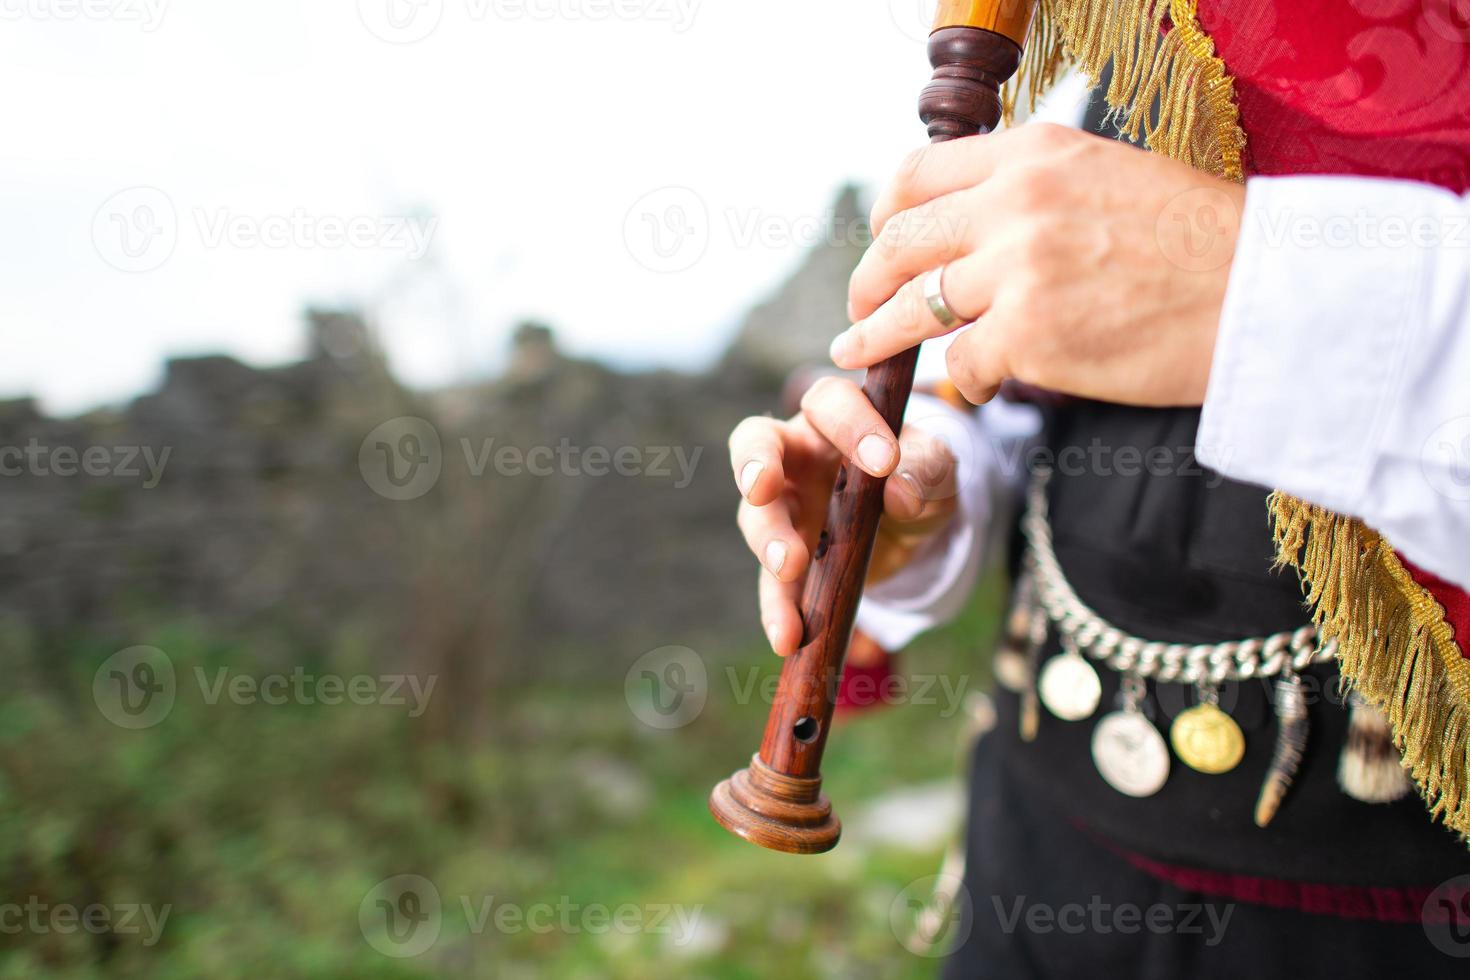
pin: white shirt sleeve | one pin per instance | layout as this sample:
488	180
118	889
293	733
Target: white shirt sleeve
1341	371
990	449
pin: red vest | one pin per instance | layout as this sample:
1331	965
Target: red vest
1379	88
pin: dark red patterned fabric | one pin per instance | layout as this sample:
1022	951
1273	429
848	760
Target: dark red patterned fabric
1379	904
868	678
865	687
1377	88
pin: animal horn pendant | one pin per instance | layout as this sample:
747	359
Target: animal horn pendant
777	801
1291	742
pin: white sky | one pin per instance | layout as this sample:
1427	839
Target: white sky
530	129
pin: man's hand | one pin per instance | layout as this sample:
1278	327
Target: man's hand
785	471
1089	267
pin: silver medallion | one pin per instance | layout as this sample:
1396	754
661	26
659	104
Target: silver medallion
1130	753
1069	686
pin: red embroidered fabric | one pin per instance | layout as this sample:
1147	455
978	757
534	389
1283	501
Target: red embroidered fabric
1379	88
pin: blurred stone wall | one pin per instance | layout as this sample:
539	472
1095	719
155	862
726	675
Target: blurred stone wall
579	515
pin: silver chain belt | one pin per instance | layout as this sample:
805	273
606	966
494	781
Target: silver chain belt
1082	628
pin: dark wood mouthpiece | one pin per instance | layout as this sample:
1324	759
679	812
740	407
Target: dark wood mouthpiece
970	66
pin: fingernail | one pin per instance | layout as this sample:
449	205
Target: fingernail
875	453
771	633
749	473
776	556
912	491
839	346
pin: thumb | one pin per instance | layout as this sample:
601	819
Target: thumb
921	494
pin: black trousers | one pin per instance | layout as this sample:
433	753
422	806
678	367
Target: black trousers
1047	898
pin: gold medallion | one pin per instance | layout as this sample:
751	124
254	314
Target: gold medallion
1069	687
1207	739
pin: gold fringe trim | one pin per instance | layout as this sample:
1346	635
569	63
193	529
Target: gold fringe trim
1167	88
1395	646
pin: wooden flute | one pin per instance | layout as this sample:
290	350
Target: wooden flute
777	802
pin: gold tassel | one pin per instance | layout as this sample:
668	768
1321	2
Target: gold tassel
1196	120
1395	647
1042	60
1369	769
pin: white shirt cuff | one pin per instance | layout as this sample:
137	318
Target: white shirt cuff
1343	346
934	586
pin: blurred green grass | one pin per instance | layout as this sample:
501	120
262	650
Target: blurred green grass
265	827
